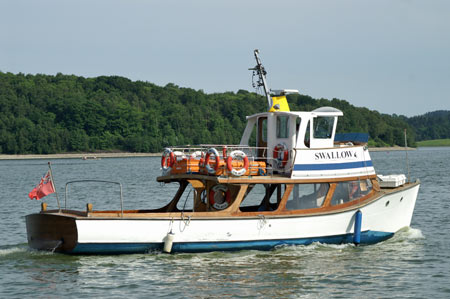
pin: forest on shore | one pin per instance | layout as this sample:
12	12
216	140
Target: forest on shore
46	114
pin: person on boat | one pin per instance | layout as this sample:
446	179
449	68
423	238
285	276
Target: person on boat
353	188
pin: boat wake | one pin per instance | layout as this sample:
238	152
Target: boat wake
408	233
20	249
13	250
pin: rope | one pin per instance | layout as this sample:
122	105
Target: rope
188	221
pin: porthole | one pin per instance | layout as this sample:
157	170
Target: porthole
401	199
387	203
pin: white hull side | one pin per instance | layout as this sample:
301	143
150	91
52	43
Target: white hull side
377	216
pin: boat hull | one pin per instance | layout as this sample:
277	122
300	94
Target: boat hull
368	237
381	218
51	232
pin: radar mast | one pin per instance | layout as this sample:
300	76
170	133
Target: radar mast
262	82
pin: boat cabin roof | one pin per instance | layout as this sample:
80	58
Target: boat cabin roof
322	111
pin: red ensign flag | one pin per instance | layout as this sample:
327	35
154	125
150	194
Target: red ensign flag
44	188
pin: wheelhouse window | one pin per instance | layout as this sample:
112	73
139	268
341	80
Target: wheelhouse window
282	126
307	137
350	191
323	127
307	196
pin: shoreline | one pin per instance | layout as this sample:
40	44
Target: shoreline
391	149
94	156
83	156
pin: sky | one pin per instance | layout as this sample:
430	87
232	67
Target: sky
392	56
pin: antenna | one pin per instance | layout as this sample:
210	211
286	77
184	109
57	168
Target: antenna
261	72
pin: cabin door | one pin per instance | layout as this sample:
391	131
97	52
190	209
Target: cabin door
261	140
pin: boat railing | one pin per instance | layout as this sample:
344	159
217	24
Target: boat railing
189	155
94	181
223	150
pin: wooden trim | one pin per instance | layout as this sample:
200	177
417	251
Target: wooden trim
269	179
368	197
186	176
287	180
233	210
329	196
375	184
285	197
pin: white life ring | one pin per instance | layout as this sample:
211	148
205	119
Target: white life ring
209	168
237	154
219	197
167	160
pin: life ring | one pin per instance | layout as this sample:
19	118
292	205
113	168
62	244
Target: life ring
281	153
167	160
237	154
209	168
219	197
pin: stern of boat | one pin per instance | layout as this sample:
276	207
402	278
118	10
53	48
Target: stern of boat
51	232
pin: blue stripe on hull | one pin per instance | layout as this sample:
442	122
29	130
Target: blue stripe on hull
367	237
332	166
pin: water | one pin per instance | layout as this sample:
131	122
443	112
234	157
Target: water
415	263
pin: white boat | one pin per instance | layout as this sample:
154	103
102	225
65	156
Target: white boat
297	183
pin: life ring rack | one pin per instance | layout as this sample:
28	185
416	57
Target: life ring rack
219	197
237	154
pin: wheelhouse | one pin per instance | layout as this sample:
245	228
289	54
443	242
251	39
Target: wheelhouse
290	131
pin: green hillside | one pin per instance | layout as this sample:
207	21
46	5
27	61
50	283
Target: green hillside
431	125
43	114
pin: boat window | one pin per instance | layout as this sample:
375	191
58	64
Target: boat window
253	138
307	196
349	191
282	126
262	138
262	128
186	201
323	127
307	139
255	198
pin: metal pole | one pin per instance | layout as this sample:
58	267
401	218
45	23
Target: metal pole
407	162
259	68
53	185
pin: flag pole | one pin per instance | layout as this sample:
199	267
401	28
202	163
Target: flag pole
407	162
53	185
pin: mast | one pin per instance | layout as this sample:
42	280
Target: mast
261	72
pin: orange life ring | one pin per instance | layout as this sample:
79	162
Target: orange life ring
212	170
281	149
167	160
219	197
233	155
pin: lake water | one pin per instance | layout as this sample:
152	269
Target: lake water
415	263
